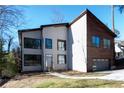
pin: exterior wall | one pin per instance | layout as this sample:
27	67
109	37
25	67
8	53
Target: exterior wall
95	28
78	41
55	33
30	34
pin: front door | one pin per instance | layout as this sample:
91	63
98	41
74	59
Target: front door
49	62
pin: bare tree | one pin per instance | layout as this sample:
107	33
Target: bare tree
58	17
121	8
10	41
10	17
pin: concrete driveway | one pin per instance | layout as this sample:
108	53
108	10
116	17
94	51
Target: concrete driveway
117	75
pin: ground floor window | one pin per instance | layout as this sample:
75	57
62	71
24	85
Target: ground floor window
61	59
32	60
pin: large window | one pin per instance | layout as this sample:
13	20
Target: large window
95	41
61	59
32	43
32	60
106	43
48	43
61	45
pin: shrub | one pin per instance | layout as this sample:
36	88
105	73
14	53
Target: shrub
10	67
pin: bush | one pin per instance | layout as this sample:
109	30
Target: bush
10	68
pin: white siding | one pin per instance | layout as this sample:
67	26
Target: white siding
55	33
30	34
78	31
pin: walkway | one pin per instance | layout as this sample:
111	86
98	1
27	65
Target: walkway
117	75
71	77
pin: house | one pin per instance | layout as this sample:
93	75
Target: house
119	49
85	45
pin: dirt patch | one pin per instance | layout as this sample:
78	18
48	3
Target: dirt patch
26	80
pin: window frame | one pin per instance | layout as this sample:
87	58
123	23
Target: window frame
46	43
94	39
59	40
107	43
58	58
40	45
38	63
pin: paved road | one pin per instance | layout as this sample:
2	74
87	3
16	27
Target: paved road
117	75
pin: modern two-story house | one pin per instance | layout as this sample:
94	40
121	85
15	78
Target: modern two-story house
85	45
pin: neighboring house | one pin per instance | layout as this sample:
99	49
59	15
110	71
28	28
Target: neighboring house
119	49
85	45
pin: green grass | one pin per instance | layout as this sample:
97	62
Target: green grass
70	83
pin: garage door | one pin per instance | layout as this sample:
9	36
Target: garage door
100	64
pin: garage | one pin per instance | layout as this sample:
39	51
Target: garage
100	64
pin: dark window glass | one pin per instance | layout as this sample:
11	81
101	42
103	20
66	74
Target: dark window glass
61	59
106	43
61	45
48	43
32	43
95	41
32	60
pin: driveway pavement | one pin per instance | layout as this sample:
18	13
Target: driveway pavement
117	75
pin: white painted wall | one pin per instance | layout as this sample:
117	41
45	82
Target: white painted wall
54	33
31	34
78	30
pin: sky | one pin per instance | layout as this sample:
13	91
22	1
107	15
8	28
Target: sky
35	15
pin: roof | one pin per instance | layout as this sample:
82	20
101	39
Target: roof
33	29
59	24
77	18
89	12
69	24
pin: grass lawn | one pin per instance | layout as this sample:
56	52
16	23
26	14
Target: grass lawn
71	83
77	73
43	80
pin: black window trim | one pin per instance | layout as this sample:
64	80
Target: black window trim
61	41
32	39
33	54
51	45
61	55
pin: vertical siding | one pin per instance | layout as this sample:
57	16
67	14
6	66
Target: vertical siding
96	28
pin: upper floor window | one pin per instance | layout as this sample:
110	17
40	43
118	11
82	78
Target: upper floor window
106	43
48	43
61	45
32	43
95	41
